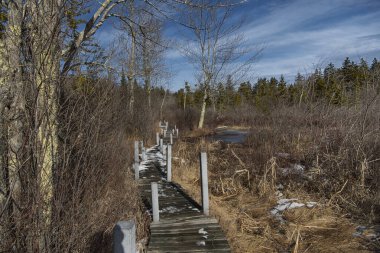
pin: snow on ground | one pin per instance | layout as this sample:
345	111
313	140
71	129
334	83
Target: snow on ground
293	169
284	204
201	243
202	231
170	209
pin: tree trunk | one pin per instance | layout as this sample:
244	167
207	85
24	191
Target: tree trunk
42	99
132	60
203	111
148	91
184	100
162	106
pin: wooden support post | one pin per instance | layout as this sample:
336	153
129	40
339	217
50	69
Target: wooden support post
164	133
137	172
124	237
142	144
177	132
164	148
167	125
137	152
161	145
169	164
204	178
171	139
158	139
159	124
155	207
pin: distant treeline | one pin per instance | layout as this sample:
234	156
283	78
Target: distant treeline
337	86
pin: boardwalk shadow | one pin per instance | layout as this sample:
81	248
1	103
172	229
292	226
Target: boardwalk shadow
177	187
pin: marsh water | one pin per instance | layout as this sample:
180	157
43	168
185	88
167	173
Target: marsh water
229	135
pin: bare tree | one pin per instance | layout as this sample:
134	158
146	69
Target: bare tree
152	49
216	49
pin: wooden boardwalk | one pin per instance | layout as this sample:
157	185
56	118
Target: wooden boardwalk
182	226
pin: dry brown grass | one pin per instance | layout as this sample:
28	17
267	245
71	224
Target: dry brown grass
243	193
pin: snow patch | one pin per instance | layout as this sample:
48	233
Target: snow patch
311	204
201	243
284	204
202	231
170	209
293	169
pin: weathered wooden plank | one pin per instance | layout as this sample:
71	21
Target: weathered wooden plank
194	250
201	221
190	247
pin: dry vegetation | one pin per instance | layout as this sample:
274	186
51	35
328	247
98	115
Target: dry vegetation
93	185
338	149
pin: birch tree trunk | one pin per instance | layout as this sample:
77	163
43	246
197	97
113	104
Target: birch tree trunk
162	106
147	70
203	111
132	58
184	100
42	115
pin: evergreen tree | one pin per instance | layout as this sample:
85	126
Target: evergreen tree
230	91
328	72
189	95
299	80
245	91
272	88
320	85
375	65
180	97
222	97
297	91
349	71
281	89
364	65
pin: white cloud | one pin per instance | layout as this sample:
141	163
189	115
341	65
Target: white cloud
291	48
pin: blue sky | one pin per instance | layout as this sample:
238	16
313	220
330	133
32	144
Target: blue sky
297	36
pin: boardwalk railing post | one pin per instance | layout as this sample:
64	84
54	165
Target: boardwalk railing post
167	125
164	133
158	139
177	132
124	237
136	168
171	139
204	178
161	145
155	207
136	152
169	163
